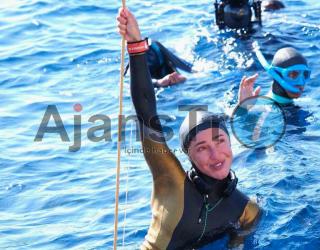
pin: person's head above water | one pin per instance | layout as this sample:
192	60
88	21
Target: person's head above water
205	139
292	68
289	70
236	14
270	5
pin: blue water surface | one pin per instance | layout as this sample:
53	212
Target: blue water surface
67	52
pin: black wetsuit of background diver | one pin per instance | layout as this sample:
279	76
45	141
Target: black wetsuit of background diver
176	201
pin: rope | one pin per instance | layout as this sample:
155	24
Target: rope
116	209
127	188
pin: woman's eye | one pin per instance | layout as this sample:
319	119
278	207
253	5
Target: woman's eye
199	149
293	74
221	140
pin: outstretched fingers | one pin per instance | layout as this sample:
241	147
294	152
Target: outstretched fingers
242	83
246	88
251	80
257	91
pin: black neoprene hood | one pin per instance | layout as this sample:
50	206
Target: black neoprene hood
197	121
284	58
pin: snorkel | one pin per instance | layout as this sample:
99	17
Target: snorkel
289	77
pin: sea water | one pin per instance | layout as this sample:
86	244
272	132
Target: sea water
55	54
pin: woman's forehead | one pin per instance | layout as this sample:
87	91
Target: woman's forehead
208	134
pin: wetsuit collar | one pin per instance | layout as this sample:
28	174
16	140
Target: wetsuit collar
279	99
207	185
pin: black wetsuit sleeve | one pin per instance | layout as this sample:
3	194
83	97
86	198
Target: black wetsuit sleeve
162	162
142	92
168	175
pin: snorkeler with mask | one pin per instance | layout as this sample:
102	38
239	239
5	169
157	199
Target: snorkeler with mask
290	72
189	209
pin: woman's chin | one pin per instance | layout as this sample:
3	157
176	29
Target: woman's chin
221	174
295	95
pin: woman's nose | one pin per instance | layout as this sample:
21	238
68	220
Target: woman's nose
213	153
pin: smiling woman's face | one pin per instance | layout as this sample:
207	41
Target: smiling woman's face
210	151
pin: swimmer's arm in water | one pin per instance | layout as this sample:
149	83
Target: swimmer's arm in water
169	80
248	220
163	164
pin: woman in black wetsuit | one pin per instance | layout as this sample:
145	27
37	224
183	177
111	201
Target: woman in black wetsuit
189	209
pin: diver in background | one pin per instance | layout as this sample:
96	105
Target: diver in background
163	65
237	14
270	5
290	72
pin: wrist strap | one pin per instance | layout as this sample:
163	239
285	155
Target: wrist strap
138	47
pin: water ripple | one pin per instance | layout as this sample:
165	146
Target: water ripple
68	52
